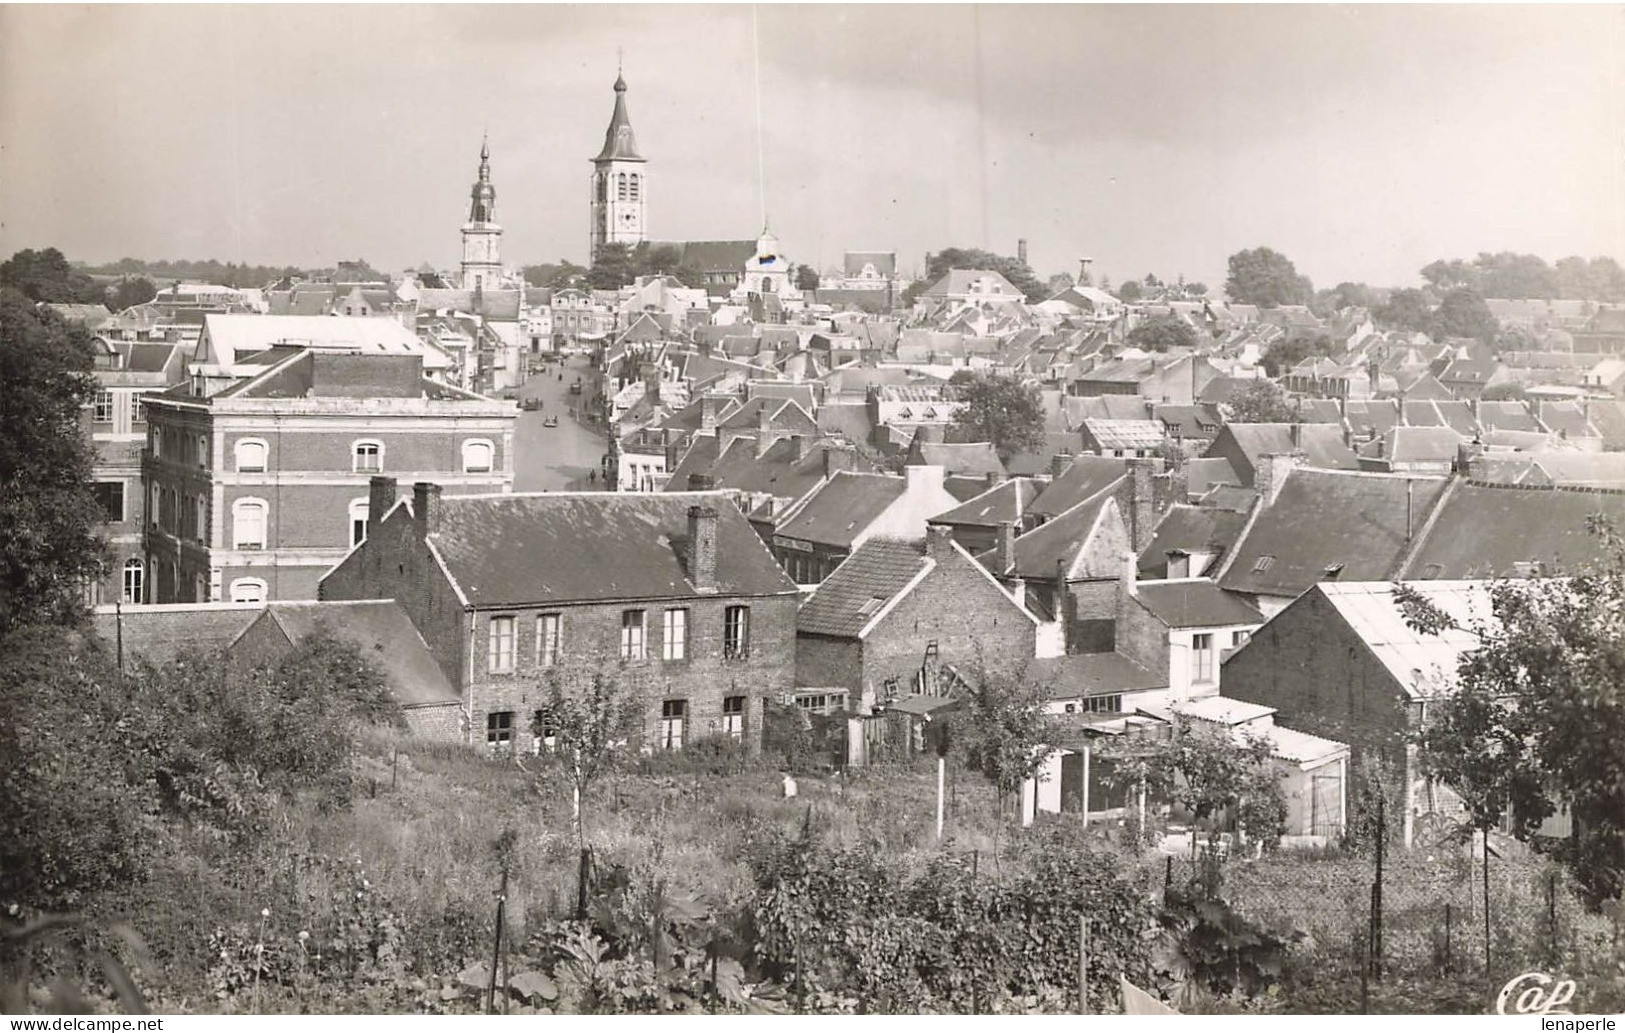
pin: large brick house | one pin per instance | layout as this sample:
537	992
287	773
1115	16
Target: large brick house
675	588
255	488
884	622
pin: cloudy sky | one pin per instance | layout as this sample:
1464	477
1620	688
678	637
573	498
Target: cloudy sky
1361	141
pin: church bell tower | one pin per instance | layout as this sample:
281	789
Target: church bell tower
619	198
482	237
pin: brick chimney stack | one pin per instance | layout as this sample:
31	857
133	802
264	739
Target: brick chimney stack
1004	549
702	548
708	414
939	542
1271	473
426	508
380	496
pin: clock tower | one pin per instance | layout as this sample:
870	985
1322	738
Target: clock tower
619	194
482	237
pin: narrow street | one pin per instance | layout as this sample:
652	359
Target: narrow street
557	458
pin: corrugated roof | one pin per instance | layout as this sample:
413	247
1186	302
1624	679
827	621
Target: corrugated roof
520	550
1425	664
1124	434
860	587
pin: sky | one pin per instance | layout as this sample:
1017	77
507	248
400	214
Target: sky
1361	141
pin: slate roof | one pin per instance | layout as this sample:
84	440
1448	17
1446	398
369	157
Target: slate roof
1491	530
1191	529
1002	504
1418	445
1208	472
1194	603
842	508
383	632
160	632
1505	415
521	550
1371	417
1323	518
1057	541
150	358
1078	675
966	459
1321	443
860	587
1086	477
778	471
1455	414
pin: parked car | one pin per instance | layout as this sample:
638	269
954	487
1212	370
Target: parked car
575	388
551	421
531	404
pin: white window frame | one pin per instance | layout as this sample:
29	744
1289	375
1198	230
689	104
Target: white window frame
1202	672
358	520
500	645
547	650
674	634
101	407
250	443
248	590
239	510
474	444
673	723
736	633
499	733
356	465
131	587
634	635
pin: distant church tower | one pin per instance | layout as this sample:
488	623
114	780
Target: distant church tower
619	200
482	237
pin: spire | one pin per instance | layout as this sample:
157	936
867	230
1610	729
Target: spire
619	144
483	198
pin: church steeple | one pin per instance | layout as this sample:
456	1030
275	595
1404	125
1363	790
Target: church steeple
619	201
482	237
483	198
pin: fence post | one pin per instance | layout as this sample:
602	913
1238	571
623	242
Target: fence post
1365	975
583	877
1447	937
496	946
1551	910
1376	893
1486	900
1083	964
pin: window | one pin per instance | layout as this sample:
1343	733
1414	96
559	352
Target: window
200	520
634	185
138	411
477	455
248	519
250	455
248	590
632	635
499	729
674	635
1241	638
620	186
1202	658
547	639
369	457
134	575
501	646
102	411
733	716
358	521
110	497
821	702
153	508
202	450
672	714
736	633
1104	704
157	443
1264	563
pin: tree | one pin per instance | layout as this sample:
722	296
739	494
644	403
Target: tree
1266	278
1344	296
1206	773
131	292
1004	410
1463	313
47	276
1286	353
1539	711
590	715
999	730
1407	309
1261	401
1162	333
556	275
1130	291
806	278
50	545
613	267
1059	283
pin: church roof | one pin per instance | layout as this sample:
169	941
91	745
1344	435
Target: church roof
619	143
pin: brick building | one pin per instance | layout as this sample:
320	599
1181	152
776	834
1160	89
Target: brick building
255	489
883	622
673	588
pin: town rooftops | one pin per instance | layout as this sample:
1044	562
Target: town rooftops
1084	478
1328	524
383	632
843	508
1058	543
226	336
1124	435
962	459
1498	530
1194	603
1424	663
1191	529
1321	443
1079	675
1004	503
160	632
564	547
860	590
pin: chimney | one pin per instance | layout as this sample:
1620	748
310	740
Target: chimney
651	382
702	548
380	496
1137	498
1021	250
939	542
1271	473
1083	270
1297	436
1131	574
426	508
764	431
708	413
1058	465
798	447
836	460
1004	549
